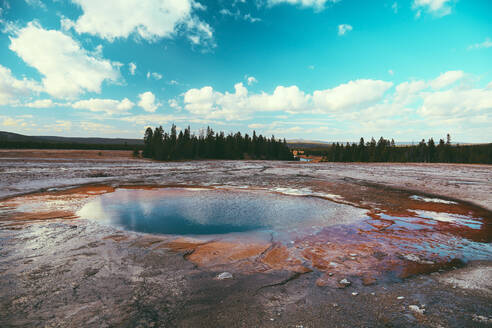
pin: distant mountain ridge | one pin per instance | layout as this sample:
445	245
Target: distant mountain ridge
15	137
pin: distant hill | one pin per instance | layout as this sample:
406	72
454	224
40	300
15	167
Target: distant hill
301	143
15	138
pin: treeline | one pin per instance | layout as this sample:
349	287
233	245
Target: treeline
386	151
4	144
160	145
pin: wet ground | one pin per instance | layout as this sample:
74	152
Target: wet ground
382	249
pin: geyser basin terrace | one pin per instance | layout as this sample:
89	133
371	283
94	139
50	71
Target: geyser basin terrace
60	269
262	230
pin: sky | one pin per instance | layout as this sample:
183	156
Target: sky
331	70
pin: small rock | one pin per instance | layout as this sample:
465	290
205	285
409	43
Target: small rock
344	282
333	264
416	309
400	298
335	305
330	274
353	255
373	293
355	293
416	258
481	318
224	275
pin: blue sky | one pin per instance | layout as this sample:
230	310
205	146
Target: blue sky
311	69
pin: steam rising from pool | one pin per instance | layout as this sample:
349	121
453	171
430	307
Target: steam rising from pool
187	211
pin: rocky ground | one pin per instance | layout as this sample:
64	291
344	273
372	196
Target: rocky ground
57	270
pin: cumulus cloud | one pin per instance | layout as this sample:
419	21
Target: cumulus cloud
456	103
436	7
421	104
150	20
351	95
241	104
148	101
108	106
344	28
68	69
132	67
446	79
12	89
406	92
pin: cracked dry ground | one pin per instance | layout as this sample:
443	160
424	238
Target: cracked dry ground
420	255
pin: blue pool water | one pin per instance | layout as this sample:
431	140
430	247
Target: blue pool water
182	211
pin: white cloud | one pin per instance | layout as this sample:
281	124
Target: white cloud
154	75
149	119
251	80
237	15
36	3
68	69
446	79
419	107
173	103
11	122
486	44
240	105
226	12
456	103
147	101
12	89
108	106
406	92
132	67
436	7
93	126
251	19
60	126
41	103
150	20
316	4
351	95
344	28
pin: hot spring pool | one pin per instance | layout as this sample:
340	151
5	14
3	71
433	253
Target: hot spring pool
195	211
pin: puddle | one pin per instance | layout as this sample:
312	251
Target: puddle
195	211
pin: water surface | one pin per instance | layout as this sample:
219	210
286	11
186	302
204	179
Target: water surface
187	211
